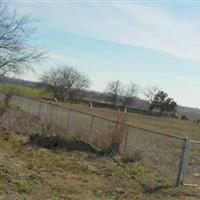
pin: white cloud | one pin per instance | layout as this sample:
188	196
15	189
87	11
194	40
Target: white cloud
61	59
148	15
154	27
144	26
159	29
183	79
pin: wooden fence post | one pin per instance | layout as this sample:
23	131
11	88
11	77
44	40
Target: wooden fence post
125	142
51	114
39	114
69	119
183	165
91	126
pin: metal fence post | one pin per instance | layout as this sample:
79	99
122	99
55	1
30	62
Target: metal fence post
91	126
183	165
125	141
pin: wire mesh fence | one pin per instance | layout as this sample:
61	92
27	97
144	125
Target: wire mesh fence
192	174
165	154
159	152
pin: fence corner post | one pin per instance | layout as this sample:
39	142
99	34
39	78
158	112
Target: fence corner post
183	164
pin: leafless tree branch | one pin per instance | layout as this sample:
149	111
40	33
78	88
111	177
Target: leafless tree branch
65	82
16	53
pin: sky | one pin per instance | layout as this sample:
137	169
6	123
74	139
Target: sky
151	43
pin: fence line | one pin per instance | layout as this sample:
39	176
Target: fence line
114	121
169	155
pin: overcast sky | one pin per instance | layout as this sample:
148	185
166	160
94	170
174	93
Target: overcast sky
155	43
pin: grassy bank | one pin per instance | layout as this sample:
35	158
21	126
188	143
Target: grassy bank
26	91
27	172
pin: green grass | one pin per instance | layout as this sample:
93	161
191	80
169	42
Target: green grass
33	173
26	91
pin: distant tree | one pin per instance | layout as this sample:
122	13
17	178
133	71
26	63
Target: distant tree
129	93
162	103
65	82
170	105
149	93
16	51
114	89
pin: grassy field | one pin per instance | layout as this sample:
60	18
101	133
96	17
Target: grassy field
26	91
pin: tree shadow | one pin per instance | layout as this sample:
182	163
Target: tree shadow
57	142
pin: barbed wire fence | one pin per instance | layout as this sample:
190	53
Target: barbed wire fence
170	156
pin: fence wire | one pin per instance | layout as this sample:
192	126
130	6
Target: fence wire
160	153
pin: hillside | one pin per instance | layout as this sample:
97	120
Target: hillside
32	173
191	112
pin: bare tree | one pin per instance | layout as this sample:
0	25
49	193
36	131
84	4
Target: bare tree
114	89
53	80
16	52
130	93
65	82
149	93
7	97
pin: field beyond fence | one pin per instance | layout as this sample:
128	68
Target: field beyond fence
170	156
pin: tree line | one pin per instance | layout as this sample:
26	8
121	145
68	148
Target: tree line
67	84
